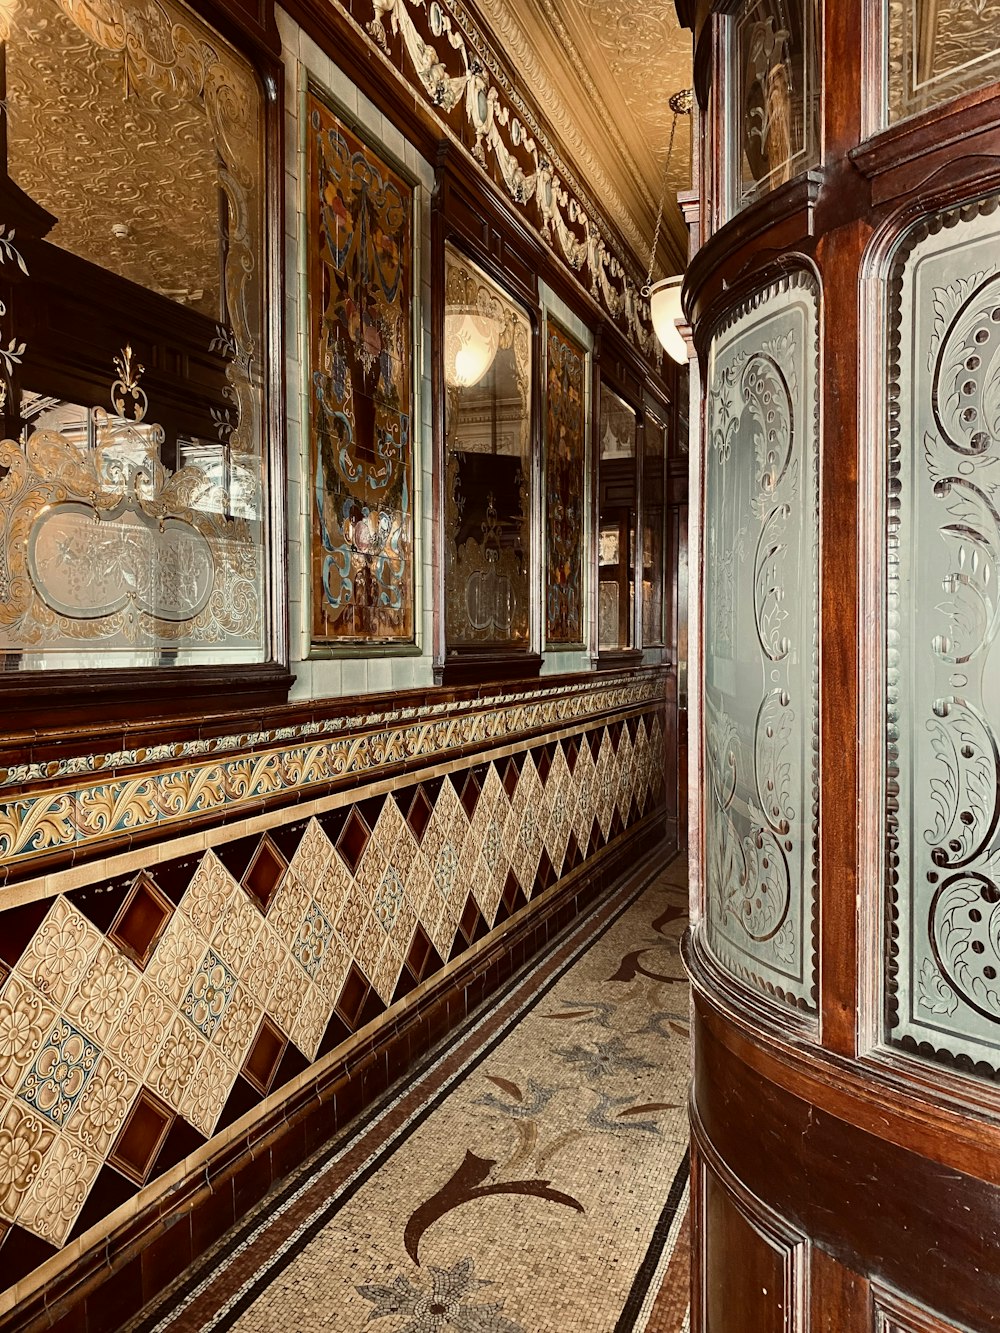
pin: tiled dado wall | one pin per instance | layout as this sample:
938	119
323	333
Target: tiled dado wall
148	1016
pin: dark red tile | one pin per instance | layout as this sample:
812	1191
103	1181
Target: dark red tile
264	873
166	1256
141	1137
353	840
352	998
419	814
17	926
141	920
471	791
264	1056
212	1215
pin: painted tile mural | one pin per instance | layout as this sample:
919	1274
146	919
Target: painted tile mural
143	1015
565	462
361	400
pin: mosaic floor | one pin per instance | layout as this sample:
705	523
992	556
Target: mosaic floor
532	1177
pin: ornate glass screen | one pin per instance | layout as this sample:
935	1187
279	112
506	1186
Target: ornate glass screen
760	636
487	541
616	523
654	529
773	119
938	49
565	470
943	688
132	525
361	403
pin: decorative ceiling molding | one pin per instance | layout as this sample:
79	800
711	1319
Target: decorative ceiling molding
461	74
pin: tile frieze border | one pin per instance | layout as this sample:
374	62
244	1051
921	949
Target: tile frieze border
295	764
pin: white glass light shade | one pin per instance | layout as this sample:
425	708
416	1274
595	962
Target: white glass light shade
665	309
471	340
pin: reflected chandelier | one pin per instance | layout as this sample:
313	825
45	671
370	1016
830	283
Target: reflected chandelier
665	296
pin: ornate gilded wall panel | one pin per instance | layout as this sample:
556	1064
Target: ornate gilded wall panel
760	635
943	610
774	102
617	433
565	470
488	461
938	49
133	520
361	338
171	996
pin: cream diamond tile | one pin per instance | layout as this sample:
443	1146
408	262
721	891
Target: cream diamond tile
387	900
204	1097
237	932
386	973
351	921
59	952
172	1071
445	870
313	939
288	996
370	944
312	857
59	1190
333	970
234	1035
487	888
403	928
208	895
371	870
209	994
264	965
137	1035
25	1140
100	999
310	1022
288	909
334	889
175	959
103	1107
26	1019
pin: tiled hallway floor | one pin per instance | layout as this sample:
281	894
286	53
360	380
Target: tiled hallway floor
532	1178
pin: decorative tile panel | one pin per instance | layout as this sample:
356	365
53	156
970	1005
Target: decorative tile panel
942	796
565	470
102	1057
761	649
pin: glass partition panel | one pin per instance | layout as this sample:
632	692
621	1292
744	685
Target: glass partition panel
565	489
773	118
617	515
938	49
132	522
654	529
487	542
760	635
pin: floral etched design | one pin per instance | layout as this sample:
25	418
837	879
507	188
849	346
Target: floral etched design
60	1072
445	1305
208	994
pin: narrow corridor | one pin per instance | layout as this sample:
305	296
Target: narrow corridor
529	1177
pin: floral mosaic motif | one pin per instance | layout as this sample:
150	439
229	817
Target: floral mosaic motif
60	1073
602	1059
209	994
312	939
565	468
445	1303
173	1069
103	993
361	419
59	1191
57	956
103	1106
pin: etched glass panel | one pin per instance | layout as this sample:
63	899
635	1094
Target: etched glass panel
938	49
761	617
487	355
616	532
132	515
943	611
774	121
361	410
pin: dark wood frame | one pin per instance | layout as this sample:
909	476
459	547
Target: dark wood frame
889	1164
52	696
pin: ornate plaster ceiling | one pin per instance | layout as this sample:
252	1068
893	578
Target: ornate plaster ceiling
603	72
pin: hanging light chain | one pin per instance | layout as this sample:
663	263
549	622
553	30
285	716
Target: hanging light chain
680	104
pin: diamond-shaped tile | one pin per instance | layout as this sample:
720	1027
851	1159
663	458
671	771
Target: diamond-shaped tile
176	959
103	1106
237	932
312	939
267	958
264	1056
264	873
172	1070
59	952
352	999
288	996
59	1191
60	1072
100	999
239	1023
208	994
312	857
208	896
353	840
141	1137
25	1140
136	1036
210	1087
288	909
310	1023
141	920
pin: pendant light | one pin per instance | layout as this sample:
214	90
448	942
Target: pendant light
665	296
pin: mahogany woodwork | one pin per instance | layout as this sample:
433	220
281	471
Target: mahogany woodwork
887	1169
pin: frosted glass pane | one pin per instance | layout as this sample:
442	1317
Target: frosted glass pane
938	49
761	531
942	695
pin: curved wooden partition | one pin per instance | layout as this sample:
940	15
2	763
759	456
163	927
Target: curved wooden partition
844	301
